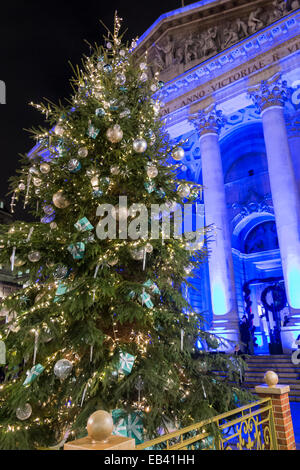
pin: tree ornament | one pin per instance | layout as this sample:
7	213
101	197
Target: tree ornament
17	261
33	170
143	77
153	87
53	225
100	426
49	210
37	182
107	68
137	253
22	187
95	183
60	272
122	53
34	256
120	78
109	45
139	145
152	171
24	412
125	113
178	154
74	165
59	130
63	368
183	191
114	134
115	170
143	66
113	261
83	152
100	112
148	248
44	168
59	200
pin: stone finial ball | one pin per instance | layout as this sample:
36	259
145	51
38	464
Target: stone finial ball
100	425
271	378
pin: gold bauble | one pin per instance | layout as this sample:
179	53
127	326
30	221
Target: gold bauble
271	378
100	426
59	200
18	262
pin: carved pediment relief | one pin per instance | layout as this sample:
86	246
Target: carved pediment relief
189	39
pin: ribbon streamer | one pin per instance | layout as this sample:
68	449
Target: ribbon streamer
91	353
36	339
13	256
29	234
144	259
96	271
204	392
83	395
181	339
27	189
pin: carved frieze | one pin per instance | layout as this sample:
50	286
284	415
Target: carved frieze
181	48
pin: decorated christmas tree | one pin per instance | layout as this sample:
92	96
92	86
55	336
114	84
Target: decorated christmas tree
103	322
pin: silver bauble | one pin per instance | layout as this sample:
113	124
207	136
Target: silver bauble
59	200
44	168
143	77
178	154
184	191
53	225
21	186
114	134
37	182
139	145
24	412
48	209
148	248
95	182
33	170
137	253
34	256
63	368
59	130
152	171
120	78
115	170
83	152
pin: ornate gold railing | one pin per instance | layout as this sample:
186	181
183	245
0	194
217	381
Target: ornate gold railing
250	427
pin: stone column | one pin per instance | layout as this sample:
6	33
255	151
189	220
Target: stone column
279	395
221	274
270	97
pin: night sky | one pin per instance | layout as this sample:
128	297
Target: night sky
37	39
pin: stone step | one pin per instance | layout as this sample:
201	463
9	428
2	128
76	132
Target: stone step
292	375
277	369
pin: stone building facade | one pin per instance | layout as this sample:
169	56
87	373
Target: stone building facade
231	73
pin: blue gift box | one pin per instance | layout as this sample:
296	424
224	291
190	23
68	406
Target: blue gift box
126	363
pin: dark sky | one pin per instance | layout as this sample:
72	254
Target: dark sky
37	39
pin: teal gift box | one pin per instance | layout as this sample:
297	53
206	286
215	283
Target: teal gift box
152	286
126	363
77	250
61	290
92	132
128	424
33	373
83	225
146	300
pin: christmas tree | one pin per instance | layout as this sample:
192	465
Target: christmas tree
102	322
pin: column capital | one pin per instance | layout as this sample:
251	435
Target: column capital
270	93
208	120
